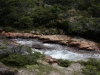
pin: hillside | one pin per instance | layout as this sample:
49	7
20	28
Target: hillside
72	17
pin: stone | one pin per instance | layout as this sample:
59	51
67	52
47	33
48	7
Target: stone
40	46
74	44
50	60
60	39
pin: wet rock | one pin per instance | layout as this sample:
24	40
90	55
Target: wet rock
40	46
75	44
3	32
13	42
83	46
25	35
50	60
61	39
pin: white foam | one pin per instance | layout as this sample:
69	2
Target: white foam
65	55
59	51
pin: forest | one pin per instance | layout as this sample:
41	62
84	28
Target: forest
75	17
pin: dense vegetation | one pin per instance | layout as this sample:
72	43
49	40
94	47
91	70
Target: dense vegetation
92	67
74	17
18	55
64	63
21	60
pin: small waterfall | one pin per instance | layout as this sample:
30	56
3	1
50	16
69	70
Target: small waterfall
57	51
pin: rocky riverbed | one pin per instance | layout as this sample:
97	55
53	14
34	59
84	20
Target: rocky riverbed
79	43
56	46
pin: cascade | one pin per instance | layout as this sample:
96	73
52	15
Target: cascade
55	50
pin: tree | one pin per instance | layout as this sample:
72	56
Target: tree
13	10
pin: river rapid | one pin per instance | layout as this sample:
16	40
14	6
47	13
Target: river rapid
57	51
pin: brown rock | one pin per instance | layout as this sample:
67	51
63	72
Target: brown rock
25	35
63	42
19	35
13	42
40	46
74	44
3	32
90	48
61	39
6	34
50	60
11	35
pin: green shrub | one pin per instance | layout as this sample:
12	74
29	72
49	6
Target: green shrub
38	55
9	29
63	63
19	55
21	60
92	67
18	60
93	62
89	70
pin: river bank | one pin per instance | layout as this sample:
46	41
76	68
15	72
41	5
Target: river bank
79	43
51	46
57	51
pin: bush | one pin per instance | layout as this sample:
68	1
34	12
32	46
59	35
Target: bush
63	63
18	55
9	29
38	55
21	60
18	60
89	70
93	62
92	67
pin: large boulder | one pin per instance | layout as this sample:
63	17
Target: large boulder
75	44
60	39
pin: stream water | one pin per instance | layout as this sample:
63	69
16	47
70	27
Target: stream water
57	51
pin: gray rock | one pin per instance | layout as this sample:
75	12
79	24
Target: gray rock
40	46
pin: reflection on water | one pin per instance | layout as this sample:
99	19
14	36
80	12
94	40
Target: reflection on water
57	51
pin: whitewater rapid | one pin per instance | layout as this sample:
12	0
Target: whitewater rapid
57	51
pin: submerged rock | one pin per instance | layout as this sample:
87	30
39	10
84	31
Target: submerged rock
40	46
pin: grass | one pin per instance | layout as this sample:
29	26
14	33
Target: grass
2	47
92	67
40	69
64	63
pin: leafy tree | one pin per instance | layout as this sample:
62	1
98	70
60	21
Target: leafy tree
24	22
12	10
44	15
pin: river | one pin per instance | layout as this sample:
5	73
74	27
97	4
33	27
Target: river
57	51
